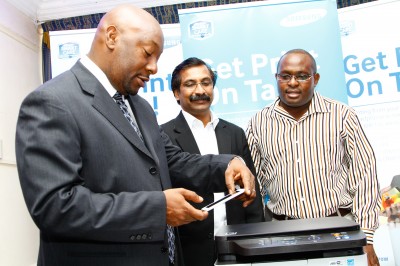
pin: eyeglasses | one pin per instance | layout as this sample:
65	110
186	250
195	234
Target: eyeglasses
298	78
193	85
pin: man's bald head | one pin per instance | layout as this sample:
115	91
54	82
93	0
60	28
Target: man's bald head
124	17
127	45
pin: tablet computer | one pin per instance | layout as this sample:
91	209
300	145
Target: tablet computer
222	200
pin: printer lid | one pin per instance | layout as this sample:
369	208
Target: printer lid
287	227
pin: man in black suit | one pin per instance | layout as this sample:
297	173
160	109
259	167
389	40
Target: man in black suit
197	130
98	189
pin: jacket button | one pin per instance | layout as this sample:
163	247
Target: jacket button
210	235
133	237
153	170
164	249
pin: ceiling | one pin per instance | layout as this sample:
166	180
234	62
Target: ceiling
44	10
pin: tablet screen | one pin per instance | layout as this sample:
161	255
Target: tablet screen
222	200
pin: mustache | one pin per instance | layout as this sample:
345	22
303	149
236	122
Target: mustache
202	97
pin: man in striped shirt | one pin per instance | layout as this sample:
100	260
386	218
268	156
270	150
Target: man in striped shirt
311	155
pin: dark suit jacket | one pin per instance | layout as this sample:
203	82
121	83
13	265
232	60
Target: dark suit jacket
197	238
91	185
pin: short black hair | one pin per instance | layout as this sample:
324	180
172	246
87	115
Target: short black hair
299	51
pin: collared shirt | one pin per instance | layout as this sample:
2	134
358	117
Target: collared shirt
99	74
206	141
204	135
102	78
312	166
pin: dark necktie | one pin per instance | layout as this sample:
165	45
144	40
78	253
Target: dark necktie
171	243
118	99
170	231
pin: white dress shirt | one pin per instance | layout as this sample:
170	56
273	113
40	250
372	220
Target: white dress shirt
207	142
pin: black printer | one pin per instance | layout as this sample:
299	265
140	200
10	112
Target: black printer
336	238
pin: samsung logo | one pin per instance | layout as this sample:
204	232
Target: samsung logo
303	17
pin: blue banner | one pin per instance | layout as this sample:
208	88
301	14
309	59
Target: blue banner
243	43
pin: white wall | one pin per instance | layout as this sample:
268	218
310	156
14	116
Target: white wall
20	73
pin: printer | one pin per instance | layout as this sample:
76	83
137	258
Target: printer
320	241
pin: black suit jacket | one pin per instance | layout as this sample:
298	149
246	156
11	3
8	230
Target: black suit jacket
91	185
197	238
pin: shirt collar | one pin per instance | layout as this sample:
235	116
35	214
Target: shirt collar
318	104
99	74
192	121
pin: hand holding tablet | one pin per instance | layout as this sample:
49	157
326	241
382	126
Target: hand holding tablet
222	200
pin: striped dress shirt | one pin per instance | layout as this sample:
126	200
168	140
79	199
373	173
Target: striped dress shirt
311	167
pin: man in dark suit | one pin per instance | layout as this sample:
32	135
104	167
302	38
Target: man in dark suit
197	130
96	184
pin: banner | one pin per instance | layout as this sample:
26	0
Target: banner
371	57
243	43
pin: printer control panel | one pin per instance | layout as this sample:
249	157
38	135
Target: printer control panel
293	240
298	243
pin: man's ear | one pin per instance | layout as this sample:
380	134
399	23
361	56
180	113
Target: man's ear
316	79
176	95
111	36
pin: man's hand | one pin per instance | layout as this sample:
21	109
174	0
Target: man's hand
372	258
179	211
238	173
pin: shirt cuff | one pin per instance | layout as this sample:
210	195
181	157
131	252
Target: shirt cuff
369	235
238	157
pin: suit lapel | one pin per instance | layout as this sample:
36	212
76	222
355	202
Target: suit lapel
143	120
105	105
184	136
223	138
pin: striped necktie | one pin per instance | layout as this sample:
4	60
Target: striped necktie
171	243
118	99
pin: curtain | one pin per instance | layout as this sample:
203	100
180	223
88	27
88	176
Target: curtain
164	14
